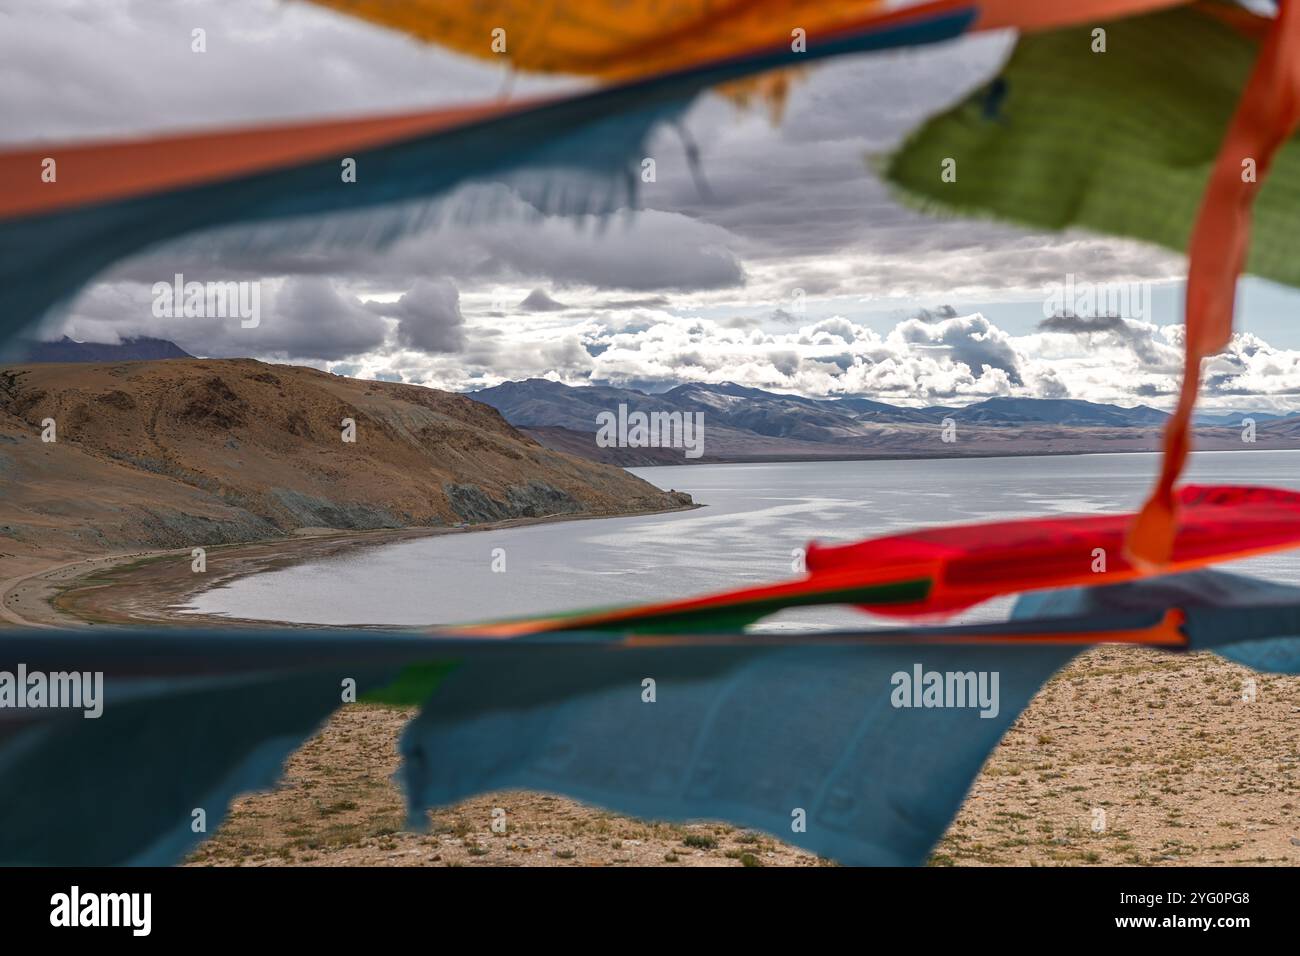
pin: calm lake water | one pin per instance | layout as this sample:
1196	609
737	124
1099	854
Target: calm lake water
755	516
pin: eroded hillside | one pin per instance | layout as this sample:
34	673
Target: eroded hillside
193	452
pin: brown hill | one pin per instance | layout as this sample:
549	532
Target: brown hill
192	452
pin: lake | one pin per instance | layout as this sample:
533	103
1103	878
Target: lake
756	515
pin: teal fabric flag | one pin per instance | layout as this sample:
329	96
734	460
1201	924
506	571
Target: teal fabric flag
857	750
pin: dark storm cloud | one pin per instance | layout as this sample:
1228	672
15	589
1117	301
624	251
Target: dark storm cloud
805	188
804	185
428	317
1082	325
302	318
539	301
839	327
787	363
1226	388
796	189
776	317
653	252
842	361
937	314
791	206
309	318
971	340
1138	337
645	302
1049	385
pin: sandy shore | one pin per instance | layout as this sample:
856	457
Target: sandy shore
133	587
1183	768
152	588
148	587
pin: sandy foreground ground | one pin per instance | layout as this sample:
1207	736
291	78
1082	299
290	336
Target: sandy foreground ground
1184	769
1127	756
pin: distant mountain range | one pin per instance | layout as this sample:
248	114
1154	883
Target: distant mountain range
751	424
138	349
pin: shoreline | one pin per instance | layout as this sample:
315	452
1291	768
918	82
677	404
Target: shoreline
70	593
144	587
796	458
1213	787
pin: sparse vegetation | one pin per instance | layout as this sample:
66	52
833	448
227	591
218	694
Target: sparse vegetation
1220	787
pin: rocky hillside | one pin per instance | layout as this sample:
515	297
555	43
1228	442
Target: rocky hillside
192	452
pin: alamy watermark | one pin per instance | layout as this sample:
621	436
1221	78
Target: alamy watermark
922	688
71	690
651	430
133	911
1079	298
208	300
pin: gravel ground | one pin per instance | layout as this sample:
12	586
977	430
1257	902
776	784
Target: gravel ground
1127	757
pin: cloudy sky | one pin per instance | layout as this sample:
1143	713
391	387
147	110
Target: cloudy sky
777	261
